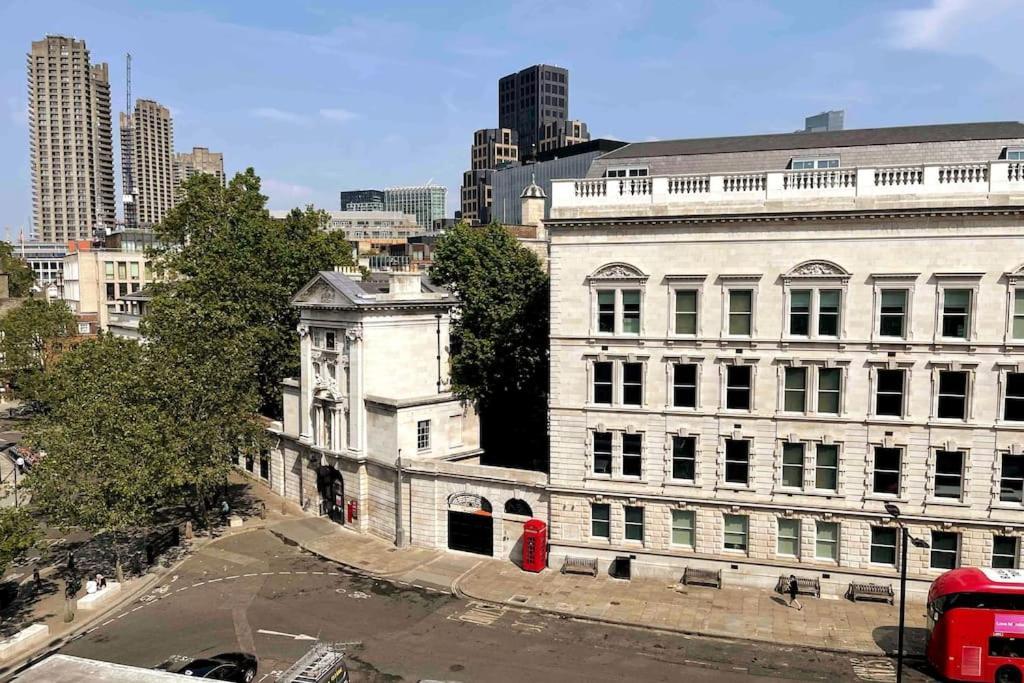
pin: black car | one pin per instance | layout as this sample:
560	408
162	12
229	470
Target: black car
230	666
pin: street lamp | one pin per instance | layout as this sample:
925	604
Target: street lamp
905	536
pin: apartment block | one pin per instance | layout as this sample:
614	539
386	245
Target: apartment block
199	160
96	281
147	162
426	202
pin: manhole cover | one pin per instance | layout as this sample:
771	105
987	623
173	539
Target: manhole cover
519	599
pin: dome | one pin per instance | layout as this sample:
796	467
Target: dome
533	190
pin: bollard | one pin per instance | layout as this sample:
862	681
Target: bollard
188	530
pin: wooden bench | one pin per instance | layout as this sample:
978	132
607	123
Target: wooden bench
871	591
702	577
580	565
804	586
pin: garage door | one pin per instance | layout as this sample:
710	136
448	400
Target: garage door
471	532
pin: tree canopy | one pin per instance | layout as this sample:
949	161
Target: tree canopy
20	277
18	533
31	337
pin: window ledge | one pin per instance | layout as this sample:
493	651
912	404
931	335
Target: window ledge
682	483
948	502
948	422
886	498
780	491
734	487
1006	505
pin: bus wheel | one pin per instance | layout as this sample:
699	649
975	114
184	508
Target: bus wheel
1008	674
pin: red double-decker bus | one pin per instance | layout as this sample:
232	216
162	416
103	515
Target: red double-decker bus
976	625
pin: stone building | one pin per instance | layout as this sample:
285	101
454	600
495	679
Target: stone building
199	160
759	342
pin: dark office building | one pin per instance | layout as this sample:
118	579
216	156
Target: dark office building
362	200
528	100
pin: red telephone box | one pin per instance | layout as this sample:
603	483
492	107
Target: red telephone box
535	545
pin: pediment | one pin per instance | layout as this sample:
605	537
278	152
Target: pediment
818	268
320	292
618	271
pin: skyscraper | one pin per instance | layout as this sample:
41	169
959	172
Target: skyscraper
534	101
70	141
199	160
148	160
361	200
426	202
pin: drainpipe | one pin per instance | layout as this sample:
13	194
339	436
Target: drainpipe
399	527
438	318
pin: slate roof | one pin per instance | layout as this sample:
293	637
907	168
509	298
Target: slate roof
364	293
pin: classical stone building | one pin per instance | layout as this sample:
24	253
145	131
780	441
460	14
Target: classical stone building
759	342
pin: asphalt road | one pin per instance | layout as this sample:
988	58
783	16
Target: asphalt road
254	593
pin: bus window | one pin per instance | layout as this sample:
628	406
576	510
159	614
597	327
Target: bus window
1006	647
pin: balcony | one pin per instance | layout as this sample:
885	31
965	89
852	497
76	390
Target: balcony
984	183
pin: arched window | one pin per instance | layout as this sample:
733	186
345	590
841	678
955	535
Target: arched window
517	506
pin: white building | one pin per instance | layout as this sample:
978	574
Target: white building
758	342
366	226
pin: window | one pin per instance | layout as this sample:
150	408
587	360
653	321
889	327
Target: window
133	268
108	269
684	457
1013	404
826	541
735	532
686	311
945	550
811	164
793	465
737	461
111	291
603	383
952	395
949	474
741	312
330	339
631	311
632	454
789	537
1011	478
618	311
264	467
826	467
1015	155
423	435
684	385
632	384
889	393
122	270
825	320
83	328
795	391
800	312
737	387
683	524
893	313
1017	331
956	311
600	520
606	311
887	471
883	545
829	389
1004	552
602	452
634	523
828	312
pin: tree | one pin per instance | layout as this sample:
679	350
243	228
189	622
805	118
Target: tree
499	337
18	534
31	337
20	277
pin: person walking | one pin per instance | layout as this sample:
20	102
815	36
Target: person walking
793	589
225	510
37	579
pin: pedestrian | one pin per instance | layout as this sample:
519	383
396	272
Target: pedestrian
101	581
225	510
71	562
37	580
90	586
20	462
793	588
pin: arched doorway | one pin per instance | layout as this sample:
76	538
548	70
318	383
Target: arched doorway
470	524
518	506
331	487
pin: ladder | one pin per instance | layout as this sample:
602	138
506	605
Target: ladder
322	664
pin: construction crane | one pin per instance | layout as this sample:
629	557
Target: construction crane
127	158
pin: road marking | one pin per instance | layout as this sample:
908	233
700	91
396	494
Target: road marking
359	595
253	574
480	613
526	626
215	580
228	578
293	636
874	669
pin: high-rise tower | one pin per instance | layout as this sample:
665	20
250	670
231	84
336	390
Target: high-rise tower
148	159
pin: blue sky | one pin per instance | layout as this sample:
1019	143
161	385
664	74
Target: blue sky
331	95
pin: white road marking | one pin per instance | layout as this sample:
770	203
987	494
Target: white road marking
874	669
293	636
480	613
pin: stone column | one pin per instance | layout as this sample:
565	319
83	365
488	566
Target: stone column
305	384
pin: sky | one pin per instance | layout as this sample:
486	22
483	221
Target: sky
321	96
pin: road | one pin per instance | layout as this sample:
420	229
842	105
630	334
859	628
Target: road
253	592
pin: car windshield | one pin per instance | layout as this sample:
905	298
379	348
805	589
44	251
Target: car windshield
200	667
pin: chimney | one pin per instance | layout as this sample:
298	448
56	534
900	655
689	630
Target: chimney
404	283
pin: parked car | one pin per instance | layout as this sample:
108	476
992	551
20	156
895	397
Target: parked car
238	667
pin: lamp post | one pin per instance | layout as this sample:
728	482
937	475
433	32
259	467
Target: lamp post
905	536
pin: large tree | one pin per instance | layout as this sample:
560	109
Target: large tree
18	533
499	337
20	277
31	337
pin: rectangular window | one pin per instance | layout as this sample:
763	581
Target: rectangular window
826	467
952	395
741	312
111	291
883	545
793	465
330	338
887	471
634	522
684	385
789	537
1004	552
826	541
684	458
108	269
737	461
602	452
632	454
423	435
1018	314
800	312
1013	406
600	520
133	268
795	391
949	474
737	387
686	311
945	550
603	383
632	384
829	388
735	532
264	467
1011	478
889	393
122	270
683	523
893	313
956	313
828	312
631	311
606	311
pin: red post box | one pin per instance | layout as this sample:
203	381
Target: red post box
535	545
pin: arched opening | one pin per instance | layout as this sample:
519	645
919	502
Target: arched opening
331	487
518	506
470	524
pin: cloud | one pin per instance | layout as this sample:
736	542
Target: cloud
272	114
928	27
338	115
282	191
